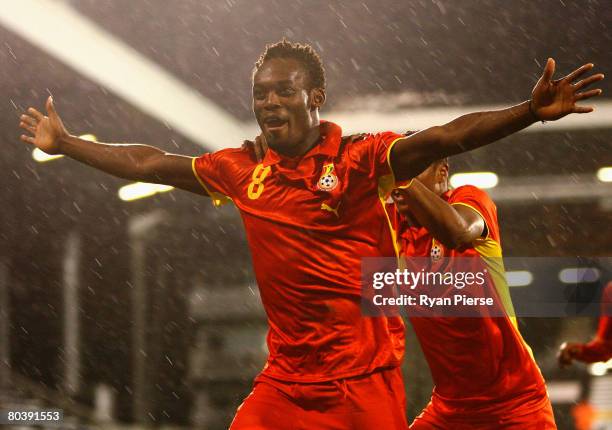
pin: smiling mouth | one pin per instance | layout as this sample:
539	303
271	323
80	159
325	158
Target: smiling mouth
273	123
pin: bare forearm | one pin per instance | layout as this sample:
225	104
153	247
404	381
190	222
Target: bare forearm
128	161
413	154
477	129
442	221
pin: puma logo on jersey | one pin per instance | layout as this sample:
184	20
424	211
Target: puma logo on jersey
328	208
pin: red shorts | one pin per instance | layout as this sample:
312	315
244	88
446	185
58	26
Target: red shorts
365	402
542	419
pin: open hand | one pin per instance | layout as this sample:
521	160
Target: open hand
552	100
45	132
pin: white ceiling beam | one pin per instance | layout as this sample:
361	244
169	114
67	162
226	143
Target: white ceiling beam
58	29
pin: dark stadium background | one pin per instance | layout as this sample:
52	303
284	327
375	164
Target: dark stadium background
201	331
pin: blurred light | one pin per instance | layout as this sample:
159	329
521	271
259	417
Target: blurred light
519	278
575	275
478	179
563	391
601	368
91	137
43	157
140	190
605	174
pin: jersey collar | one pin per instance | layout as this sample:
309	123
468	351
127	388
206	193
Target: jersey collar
329	145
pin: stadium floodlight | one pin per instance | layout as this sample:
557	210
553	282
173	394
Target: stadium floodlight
519	278
575	275
89	136
605	174
478	179
140	190
43	157
601	368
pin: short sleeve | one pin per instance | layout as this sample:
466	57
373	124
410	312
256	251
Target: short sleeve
371	155
210	172
478	200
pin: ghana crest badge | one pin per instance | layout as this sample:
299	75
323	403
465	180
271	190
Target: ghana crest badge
436	251
328	180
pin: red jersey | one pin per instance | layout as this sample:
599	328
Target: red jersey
600	348
480	366
309	221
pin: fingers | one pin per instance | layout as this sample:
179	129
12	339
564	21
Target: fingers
264	143
50	106
28	127
587	94
578	72
582	109
588	81
28	120
246	145
259	149
35	113
549	70
27	139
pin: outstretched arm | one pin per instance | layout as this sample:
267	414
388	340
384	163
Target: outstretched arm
453	226
550	100
129	161
592	352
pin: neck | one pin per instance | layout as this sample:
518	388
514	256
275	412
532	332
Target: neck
305	145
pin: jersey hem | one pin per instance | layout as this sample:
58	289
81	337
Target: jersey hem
314	379
498	410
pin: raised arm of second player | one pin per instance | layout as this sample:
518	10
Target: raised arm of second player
453	226
550	100
134	162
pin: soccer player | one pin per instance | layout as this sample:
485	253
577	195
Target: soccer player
484	373
600	348
312	209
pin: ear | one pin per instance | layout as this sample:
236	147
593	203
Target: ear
317	98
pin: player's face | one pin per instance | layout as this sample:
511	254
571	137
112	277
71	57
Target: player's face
282	104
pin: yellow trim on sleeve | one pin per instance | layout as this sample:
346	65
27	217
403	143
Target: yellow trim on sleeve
406	185
386	184
396	247
384	188
389	158
490	250
217	199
